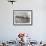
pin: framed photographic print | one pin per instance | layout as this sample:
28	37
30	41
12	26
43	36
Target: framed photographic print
22	17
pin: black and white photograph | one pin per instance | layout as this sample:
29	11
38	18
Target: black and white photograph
22	17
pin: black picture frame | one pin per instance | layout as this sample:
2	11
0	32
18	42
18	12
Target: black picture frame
14	14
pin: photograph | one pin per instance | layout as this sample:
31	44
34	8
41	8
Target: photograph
22	17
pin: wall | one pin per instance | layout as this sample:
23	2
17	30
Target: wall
38	29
